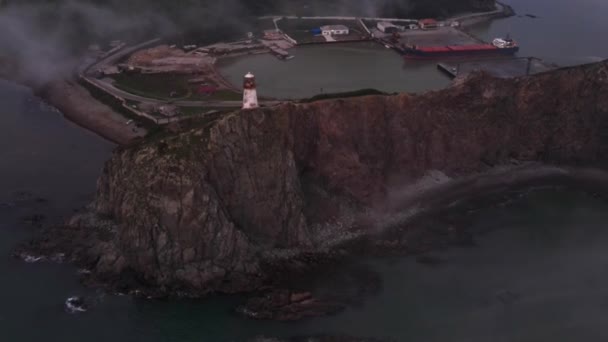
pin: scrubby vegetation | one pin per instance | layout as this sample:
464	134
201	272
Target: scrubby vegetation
361	92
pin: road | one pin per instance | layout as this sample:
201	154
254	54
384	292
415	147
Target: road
499	9
108	87
111	89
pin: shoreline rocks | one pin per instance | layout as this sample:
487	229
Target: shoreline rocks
319	338
284	305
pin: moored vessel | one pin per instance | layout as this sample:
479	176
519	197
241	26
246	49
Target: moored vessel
499	46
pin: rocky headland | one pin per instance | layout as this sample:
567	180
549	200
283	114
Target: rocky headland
256	200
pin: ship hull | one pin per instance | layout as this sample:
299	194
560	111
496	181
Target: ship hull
409	53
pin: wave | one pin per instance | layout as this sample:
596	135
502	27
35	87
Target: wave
31	259
75	305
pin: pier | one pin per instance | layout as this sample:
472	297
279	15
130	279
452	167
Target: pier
499	67
278	48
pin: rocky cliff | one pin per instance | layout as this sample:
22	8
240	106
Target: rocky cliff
219	205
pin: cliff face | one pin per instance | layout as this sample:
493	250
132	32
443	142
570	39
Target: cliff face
204	210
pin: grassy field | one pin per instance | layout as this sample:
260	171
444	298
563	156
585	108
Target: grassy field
169	87
192	111
220	95
355	93
158	86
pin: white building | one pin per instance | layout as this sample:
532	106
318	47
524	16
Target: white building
334	30
387	27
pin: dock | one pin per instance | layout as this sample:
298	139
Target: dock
500	67
279	53
278	48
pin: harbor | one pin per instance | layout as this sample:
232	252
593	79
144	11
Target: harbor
167	82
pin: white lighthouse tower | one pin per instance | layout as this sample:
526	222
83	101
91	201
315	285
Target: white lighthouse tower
250	94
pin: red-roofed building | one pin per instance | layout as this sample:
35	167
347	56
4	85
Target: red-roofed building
428	24
206	90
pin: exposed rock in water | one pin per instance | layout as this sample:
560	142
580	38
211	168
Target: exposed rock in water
75	305
36	220
321	338
284	305
225	204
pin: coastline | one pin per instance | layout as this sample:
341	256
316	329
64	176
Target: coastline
406	229
78	106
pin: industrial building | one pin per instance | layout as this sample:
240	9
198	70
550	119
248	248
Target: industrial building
387	27
428	24
335	30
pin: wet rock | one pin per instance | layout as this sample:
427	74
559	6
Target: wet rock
36	220
299	297
76	304
319	338
30	259
283	305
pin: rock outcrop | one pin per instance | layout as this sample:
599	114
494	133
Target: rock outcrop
322	338
223	204
284	305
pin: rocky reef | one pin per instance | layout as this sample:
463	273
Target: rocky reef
326	338
243	201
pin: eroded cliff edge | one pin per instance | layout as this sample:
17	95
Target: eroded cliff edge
222	205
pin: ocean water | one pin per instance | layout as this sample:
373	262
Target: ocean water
337	68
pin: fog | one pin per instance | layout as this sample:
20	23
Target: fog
46	37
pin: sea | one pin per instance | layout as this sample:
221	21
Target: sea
539	273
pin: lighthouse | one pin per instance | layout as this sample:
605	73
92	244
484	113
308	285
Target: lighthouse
250	95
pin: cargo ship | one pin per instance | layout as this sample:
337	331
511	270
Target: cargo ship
499	46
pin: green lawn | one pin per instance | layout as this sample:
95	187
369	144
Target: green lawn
169	87
220	95
190	111
159	86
